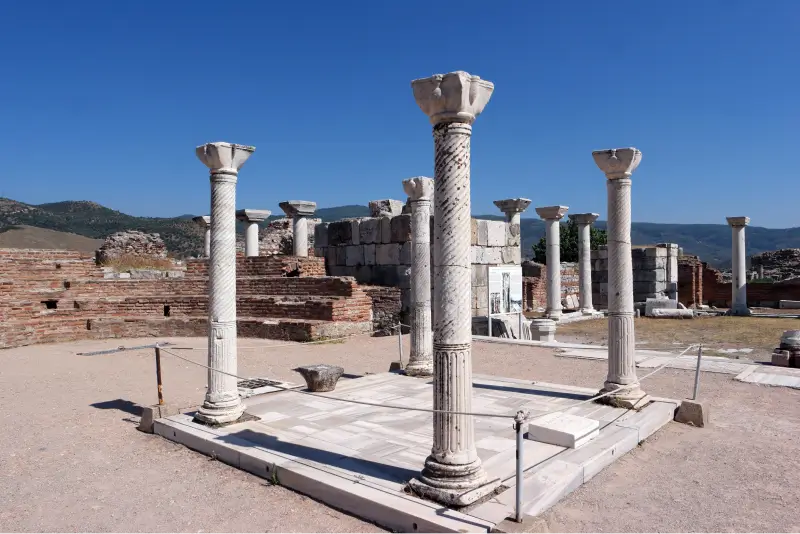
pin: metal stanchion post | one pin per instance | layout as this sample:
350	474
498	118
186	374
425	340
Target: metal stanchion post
158	376
400	342
518	419
697	371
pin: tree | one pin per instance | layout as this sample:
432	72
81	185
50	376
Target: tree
569	242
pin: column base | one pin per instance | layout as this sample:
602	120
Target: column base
453	485
588	311
740	312
422	368
631	398
555	315
216	414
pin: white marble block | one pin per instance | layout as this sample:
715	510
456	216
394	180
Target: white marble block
563	429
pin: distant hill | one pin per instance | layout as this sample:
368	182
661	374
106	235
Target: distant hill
712	242
32	237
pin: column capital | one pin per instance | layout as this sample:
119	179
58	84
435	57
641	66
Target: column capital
253	216
302	208
418	188
204	221
617	163
453	97
583	218
550	213
738	221
224	157
512	205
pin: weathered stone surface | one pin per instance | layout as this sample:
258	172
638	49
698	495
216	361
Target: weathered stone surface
355	231
369	231
278	236
151	413
385	208
543	329
388	254
321	377
781	358
662	303
783	264
341	255
406	254
483	232
473	231
692	412
496	233
400	228
369	254
386	229
354	255
132	243
340	233
321	235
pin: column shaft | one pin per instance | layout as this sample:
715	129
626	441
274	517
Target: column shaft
553	239
739	268
222	402
585	267
207	241
251	240
421	358
621	340
300	237
454	462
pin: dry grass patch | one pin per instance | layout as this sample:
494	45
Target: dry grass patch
760	334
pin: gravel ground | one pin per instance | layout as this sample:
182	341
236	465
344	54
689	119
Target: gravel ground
72	460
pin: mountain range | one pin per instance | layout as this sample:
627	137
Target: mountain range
712	242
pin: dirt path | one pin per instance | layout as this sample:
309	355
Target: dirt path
71	459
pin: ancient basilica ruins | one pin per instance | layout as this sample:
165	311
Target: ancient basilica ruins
429	445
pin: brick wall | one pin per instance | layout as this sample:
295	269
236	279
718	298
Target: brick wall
717	292
265	266
690	281
534	283
386	308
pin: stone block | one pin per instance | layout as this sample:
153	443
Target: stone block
338	270
647	288
692	412
655	275
599	277
483	232
404	276
543	329
369	231
563	430
479	276
354	255
363	274
649	263
341	255
400	228
385	229
156	411
570	302
320	377
480	312
319	252
600	265
511	255
513	236
496	233
330	256
385	207
481	296
656	252
672	313
321	235
789	304
474	231
602	288
405	253
340	233
385	275
479	255
493	255
369	255
355	225
387	254
781	358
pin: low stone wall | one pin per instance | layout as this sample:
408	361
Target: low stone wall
377	251
655	273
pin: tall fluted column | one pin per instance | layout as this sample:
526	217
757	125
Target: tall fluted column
513	208
584	222
618	165
453	473
222	403
552	216
252	218
420	195
204	221
298	210
738	266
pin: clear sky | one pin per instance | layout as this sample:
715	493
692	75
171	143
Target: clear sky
105	101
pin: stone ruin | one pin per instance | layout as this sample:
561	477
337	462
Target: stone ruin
277	237
131	243
783	264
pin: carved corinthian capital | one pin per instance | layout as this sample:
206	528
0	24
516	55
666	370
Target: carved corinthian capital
418	188
454	97
224	156
617	162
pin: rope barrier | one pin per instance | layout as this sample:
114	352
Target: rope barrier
527	417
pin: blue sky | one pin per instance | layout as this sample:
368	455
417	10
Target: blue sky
105	101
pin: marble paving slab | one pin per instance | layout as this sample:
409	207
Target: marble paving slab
358	458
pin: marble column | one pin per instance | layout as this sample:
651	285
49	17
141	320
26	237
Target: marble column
252	218
584	222
299	210
618	165
204	221
552	216
420	195
222	403
513	208
739	267
453	473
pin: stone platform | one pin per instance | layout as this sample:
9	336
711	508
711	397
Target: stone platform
358	458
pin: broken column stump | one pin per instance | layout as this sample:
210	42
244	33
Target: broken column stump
321	377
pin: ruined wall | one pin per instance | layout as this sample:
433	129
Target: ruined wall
386	308
690	281
377	251
655	273
534	284
717	290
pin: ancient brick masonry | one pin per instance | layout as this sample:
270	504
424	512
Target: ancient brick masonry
690	281
534	284
53	296
717	292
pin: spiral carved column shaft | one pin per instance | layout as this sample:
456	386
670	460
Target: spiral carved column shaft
421	359
222	402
